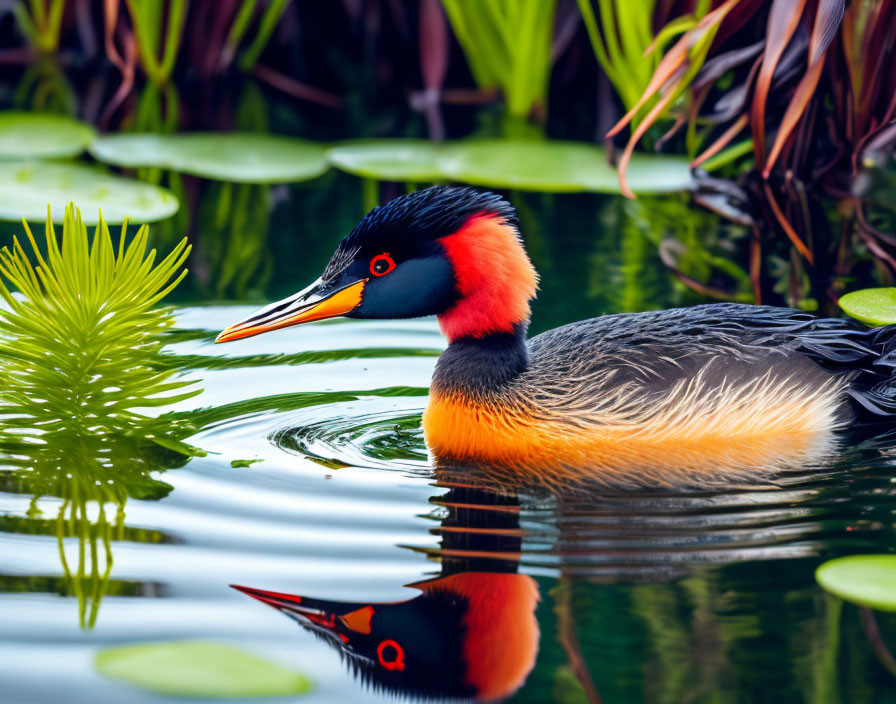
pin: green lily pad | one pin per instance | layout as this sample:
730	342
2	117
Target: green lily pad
241	157
198	669
29	186
558	167
34	135
388	159
867	580
875	306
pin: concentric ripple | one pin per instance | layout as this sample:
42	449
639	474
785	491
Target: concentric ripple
385	440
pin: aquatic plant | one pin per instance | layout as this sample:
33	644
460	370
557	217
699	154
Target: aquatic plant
551	166
157	51
36	135
213	38
30	185
85	317
195	669
267	22
40	21
554	166
874	306
45	88
622	44
801	93
236	157
235	220
81	370
869	581
508	46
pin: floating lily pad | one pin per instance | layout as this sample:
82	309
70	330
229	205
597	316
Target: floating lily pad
875	306
867	580
197	669
558	167
34	135
29	186
388	159
242	157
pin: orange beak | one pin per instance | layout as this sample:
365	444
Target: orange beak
310	304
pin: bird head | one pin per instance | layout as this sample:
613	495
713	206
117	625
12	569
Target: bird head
471	635
451	252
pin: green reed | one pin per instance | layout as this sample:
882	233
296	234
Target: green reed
621	44
508	45
41	22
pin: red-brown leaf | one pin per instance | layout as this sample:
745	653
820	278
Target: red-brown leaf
786	226
645	124
783	19
827	21
674	60
721	142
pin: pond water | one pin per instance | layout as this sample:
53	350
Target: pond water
315	481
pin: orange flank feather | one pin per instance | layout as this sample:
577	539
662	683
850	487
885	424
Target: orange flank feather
502	631
692	432
495	279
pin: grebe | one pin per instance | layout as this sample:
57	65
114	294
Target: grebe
693	394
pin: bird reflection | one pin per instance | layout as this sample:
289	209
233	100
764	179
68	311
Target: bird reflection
470	634
624	566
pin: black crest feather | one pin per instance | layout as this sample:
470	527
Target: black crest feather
416	219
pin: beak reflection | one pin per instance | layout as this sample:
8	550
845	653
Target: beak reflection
334	618
317	302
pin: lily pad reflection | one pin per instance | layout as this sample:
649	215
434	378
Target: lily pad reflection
198	669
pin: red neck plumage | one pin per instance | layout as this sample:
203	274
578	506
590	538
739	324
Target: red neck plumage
495	279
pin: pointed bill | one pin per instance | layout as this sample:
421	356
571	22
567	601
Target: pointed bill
317	302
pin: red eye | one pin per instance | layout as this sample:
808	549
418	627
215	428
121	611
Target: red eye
381	264
390	654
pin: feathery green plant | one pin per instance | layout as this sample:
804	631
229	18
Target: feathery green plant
81	363
84	320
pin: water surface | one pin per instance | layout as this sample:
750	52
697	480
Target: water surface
315	481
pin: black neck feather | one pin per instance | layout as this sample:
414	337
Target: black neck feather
479	366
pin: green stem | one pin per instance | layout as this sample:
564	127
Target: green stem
266	27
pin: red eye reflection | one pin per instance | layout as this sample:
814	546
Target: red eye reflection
390	654
381	264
